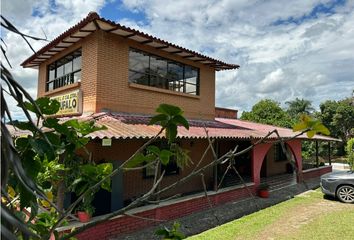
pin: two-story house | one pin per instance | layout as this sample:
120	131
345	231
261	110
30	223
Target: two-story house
117	76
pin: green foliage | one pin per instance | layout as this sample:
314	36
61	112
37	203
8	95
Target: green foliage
169	117
171	234
298	107
339	117
89	175
312	126
268	111
47	157
350	153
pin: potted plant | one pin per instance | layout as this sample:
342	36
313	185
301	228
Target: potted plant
89	175
85	210
263	190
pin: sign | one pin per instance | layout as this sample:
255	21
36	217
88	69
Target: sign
70	103
106	142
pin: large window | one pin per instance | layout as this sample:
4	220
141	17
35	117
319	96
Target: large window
64	71
155	71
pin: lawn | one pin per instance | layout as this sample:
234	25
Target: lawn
307	216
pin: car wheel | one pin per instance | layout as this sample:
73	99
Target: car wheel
346	194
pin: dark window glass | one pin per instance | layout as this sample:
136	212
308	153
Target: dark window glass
64	71
139	78
158	66
139	62
155	71
60	71
77	63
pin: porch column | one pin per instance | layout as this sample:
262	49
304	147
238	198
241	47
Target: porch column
215	168
295	146
329	153
258	154
117	188
317	162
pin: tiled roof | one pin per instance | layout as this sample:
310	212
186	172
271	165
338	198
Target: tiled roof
135	126
132	126
94	22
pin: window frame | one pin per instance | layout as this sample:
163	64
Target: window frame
167	81
67	78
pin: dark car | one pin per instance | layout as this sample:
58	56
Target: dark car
340	185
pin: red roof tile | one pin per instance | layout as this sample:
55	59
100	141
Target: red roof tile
131	126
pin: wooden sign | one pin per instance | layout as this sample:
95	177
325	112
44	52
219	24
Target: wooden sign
70	103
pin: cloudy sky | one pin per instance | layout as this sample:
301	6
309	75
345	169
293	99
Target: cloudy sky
286	49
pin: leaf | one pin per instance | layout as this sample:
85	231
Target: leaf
169	110
136	160
299	126
320	128
48	106
24	126
160	118
180	120
311	133
153	149
165	156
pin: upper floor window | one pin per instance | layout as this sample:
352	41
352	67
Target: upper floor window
155	71
64	71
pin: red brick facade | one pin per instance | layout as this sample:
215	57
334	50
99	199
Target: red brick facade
125	224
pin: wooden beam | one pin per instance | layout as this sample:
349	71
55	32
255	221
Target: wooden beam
162	47
115	28
189	56
129	35
83	30
146	41
77	36
96	25
63	41
178	51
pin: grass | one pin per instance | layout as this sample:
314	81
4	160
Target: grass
272	222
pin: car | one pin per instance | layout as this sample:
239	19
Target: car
339	185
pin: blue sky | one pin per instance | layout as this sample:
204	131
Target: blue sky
286	49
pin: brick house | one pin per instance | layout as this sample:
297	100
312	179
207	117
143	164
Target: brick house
103	71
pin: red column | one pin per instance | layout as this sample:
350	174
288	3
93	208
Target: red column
295	146
258	153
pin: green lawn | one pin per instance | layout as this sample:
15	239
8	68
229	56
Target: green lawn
307	216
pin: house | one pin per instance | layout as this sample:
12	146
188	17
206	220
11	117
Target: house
117	76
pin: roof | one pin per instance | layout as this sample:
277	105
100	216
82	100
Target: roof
94	22
135	126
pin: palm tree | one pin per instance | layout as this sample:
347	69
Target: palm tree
299	106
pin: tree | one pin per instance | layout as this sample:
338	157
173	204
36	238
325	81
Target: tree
338	116
350	153
298	107
269	112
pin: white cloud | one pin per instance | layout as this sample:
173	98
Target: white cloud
310	59
39	18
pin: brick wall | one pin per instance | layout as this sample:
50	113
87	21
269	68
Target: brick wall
135	184
316	172
126	224
225	113
105	83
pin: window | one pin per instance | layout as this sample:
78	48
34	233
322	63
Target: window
155	71
279	155
64	71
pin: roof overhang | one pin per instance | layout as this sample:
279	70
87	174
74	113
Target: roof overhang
94	22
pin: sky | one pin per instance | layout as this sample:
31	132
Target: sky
286	49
